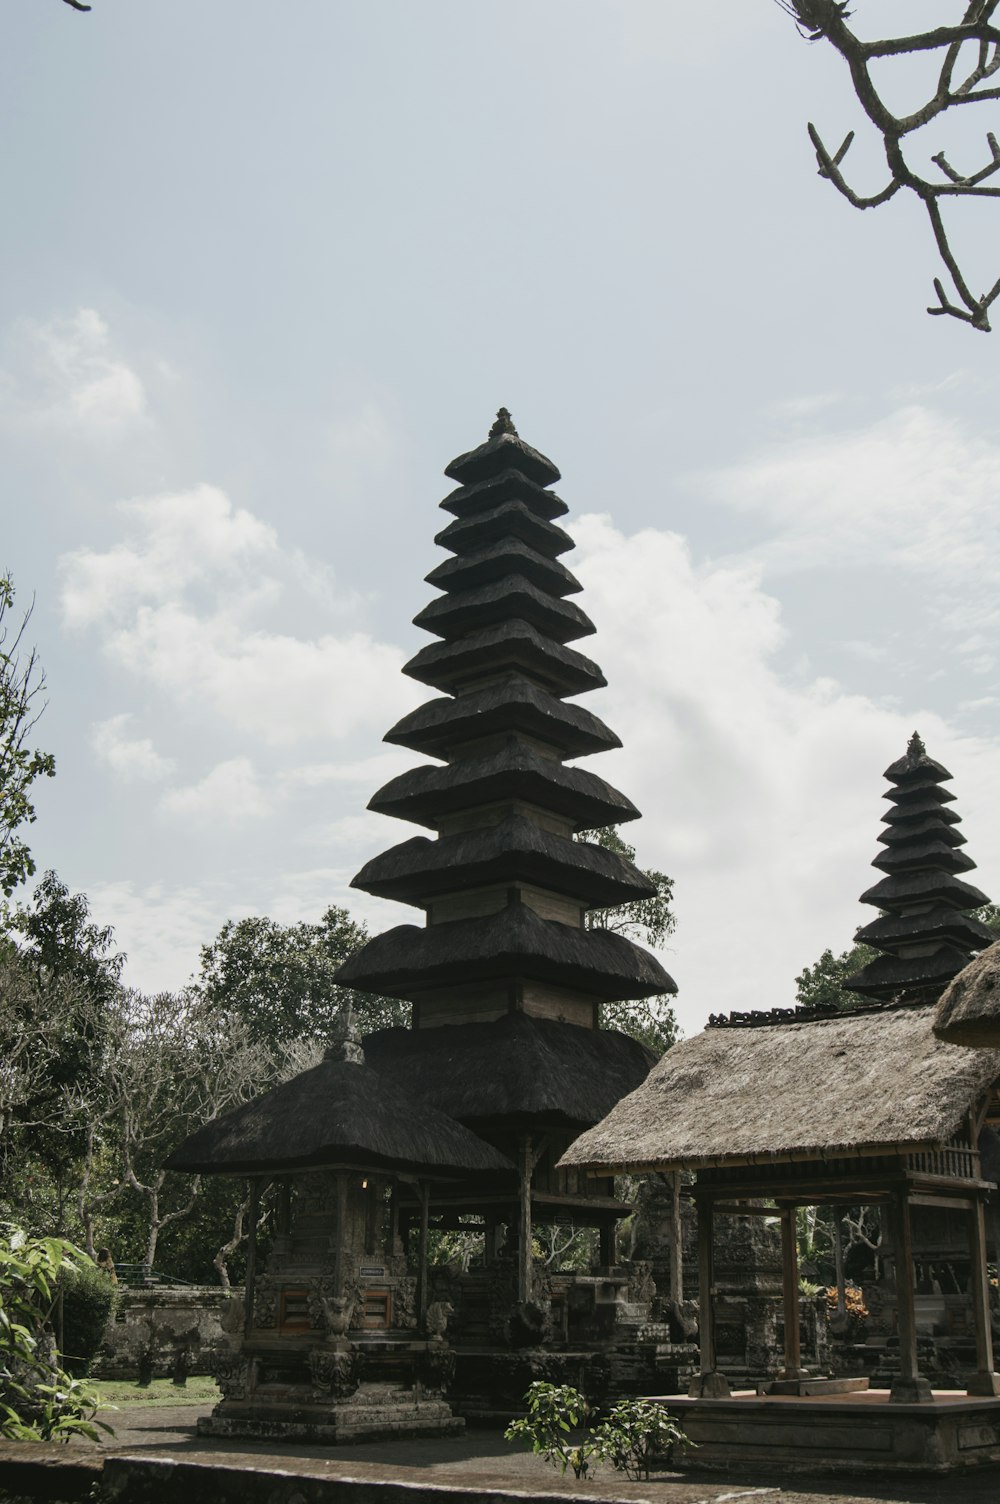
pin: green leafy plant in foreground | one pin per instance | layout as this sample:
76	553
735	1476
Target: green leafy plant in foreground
38	1400
555	1411
629	1436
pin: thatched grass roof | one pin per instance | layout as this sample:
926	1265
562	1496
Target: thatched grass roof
969	1010
863	1084
515	848
516	1070
509	645
510	485
500	451
516	771
495	560
336	1113
472	610
509	704
512	519
514	942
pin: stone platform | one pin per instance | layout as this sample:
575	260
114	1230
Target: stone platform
373	1411
861	1432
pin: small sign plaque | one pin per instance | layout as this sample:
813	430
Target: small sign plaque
373	1271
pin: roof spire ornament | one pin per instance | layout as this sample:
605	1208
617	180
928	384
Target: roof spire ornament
504	424
925	932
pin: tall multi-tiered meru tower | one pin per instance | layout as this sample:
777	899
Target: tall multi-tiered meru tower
506	977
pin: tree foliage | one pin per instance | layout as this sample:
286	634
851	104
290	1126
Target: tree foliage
281	979
648	921
22	684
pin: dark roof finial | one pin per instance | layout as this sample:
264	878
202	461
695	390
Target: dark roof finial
915	748
344	1041
503	424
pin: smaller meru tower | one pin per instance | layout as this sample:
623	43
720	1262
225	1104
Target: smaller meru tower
925	931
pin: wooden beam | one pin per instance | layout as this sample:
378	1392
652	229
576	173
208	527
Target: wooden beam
425	1199
838	1260
527	1160
710	1383
676	1242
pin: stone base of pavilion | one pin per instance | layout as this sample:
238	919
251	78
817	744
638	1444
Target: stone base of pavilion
373	1411
864	1431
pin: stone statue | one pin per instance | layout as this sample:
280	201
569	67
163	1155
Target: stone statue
437	1319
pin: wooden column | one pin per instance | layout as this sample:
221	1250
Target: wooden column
710	1384
606	1234
909	1388
251	1258
425	1204
676	1242
838	1259
526	1165
790	1296
985	1380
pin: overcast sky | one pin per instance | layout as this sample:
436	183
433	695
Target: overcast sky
267	268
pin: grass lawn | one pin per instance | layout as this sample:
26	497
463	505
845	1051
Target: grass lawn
123	1393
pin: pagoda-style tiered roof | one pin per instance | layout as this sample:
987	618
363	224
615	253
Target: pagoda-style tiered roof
925	932
504	886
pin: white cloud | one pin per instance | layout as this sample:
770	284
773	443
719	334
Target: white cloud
230	794
760	796
178	603
130	756
73	378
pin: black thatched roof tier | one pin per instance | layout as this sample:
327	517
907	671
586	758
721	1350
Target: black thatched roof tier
512	646
517	849
509	485
921	807
503	450
511	944
915	767
923	947
473	610
516	772
941	826
336	1113
512	519
941	922
507	705
893	975
920	887
516	1071
919	855
497	560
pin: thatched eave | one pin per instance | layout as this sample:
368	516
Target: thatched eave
929	885
969	1011
870	1083
511	646
916	856
891	975
336	1113
505	706
499	453
925	827
512	944
497	560
474	610
516	772
509	485
511	519
517	849
515	1071
941	922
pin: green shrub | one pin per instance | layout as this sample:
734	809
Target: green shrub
39	1401
554	1412
88	1300
632	1433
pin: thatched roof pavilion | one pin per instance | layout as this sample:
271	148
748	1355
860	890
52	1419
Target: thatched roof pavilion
969	1010
851	1086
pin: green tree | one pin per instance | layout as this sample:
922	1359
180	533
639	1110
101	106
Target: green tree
649	921
22	683
281	979
823	985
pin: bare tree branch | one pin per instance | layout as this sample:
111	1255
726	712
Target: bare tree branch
827	20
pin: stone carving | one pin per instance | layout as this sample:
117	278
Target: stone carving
437	1366
333	1372
337	1313
265	1305
234	1375
437	1319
